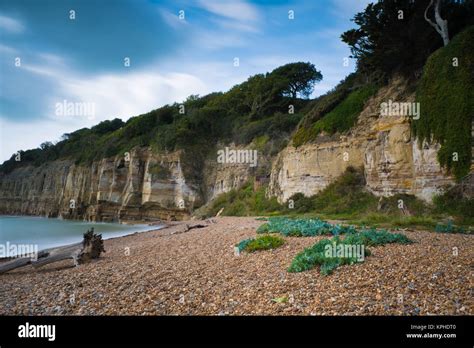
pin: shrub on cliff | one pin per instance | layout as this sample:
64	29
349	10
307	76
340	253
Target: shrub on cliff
446	97
244	202
346	195
345	114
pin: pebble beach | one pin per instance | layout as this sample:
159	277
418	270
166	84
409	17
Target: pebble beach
172	271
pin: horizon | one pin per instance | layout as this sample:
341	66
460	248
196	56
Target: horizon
179	54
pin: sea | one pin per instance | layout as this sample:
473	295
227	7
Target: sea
52	232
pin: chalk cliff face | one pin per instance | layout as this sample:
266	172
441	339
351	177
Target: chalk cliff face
118	188
150	186
382	145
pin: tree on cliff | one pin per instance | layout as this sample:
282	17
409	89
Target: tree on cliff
296	78
394	36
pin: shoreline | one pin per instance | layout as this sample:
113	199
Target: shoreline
181	271
153	226
122	222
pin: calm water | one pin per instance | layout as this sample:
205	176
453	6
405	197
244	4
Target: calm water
47	233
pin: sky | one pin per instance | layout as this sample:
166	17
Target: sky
127	57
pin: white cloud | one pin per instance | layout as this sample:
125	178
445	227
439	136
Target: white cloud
23	136
236	15
236	10
10	24
122	95
7	49
130	93
172	19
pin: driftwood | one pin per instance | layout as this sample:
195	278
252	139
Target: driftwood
187	228
90	248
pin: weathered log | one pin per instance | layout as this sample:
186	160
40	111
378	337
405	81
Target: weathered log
90	248
187	228
16	263
59	256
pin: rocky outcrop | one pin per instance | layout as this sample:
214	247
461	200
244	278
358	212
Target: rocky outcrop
138	186
222	177
383	146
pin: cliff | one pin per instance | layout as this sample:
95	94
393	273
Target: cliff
118	188
147	185
382	145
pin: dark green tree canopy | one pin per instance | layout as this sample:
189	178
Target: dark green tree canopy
393	35
296	78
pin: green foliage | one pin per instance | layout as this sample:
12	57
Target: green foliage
272	127
453	203
302	227
373	237
282	299
346	195
380	219
297	78
321	106
265	228
159	171
384	44
390	205
256	108
260	243
345	114
260	142
108	126
244	202
345	199
446	100
243	244
449	228
318	254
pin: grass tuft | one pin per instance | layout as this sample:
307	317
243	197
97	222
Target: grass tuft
260	243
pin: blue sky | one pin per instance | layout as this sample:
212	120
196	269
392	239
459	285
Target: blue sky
82	59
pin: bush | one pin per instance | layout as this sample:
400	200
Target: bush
320	107
345	114
346	195
260	243
244	202
375	237
302	227
453	203
317	254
